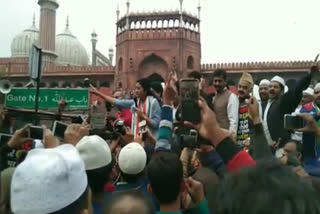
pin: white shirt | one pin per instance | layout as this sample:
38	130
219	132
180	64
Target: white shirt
233	112
265	123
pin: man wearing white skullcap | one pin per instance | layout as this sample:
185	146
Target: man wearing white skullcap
55	180
307	96
312	108
264	94
279	104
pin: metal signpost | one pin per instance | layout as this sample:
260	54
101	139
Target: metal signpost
35	71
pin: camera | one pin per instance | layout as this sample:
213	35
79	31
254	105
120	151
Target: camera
119	127
111	133
189	140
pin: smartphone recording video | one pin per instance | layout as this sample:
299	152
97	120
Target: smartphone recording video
36	132
292	122
189	96
59	128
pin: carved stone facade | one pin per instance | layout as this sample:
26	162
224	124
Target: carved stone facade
154	44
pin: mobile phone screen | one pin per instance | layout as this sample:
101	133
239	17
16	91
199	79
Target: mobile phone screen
189	97
58	129
36	132
293	122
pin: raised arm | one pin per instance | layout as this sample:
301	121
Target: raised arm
166	123
209	129
294	95
107	98
259	143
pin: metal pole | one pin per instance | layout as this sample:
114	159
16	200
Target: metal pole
38	86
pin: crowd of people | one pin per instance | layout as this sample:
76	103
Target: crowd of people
242	158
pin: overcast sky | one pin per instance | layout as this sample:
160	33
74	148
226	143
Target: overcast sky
232	30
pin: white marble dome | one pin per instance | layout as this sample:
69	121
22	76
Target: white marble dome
21	45
70	51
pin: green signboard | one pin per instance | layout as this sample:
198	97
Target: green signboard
77	99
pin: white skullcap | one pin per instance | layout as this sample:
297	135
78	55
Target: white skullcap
308	91
264	82
52	178
317	86
279	80
132	159
94	151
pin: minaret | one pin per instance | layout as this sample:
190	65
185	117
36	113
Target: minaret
128	9
34	20
199	15
48	29
118	17
181	18
94	41
118	12
111	54
67	22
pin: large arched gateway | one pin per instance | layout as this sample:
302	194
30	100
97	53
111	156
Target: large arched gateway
153	64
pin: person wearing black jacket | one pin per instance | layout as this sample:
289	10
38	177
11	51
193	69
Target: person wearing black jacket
281	103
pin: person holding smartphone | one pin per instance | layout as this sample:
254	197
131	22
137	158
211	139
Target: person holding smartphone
144	107
281	103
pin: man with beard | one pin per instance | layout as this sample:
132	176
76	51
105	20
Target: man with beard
225	103
307	96
245	87
309	139
264	94
281	103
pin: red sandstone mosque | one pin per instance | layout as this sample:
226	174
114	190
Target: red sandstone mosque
147	45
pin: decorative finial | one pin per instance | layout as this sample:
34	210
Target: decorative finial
67	25
94	34
199	5
34	19
181	2
128	4
118	10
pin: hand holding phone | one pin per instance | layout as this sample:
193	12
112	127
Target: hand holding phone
58	129
189	97
20	137
36	132
292	122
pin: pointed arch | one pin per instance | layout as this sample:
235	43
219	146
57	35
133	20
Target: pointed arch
153	64
190	62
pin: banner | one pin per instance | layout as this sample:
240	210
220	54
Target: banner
77	99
